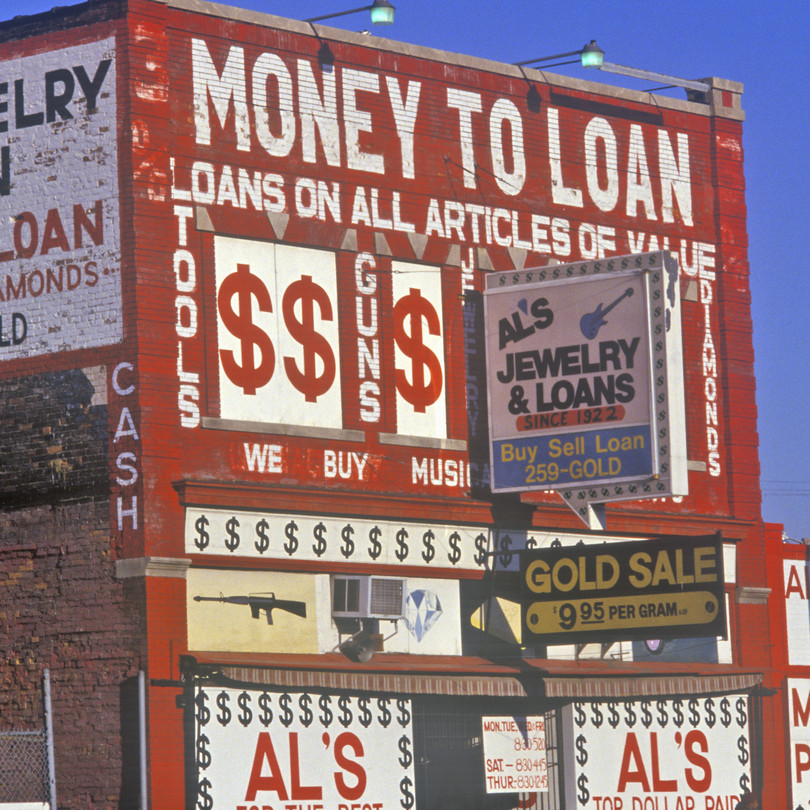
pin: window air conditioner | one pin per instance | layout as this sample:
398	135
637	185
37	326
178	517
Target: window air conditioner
368	597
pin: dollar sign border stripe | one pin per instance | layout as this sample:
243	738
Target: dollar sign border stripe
291	536
202	710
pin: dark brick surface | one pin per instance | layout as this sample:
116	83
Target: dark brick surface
53	441
61	607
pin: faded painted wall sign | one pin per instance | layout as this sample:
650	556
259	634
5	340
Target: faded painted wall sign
270	155
60	285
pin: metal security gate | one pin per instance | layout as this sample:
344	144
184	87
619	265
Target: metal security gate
450	761
26	764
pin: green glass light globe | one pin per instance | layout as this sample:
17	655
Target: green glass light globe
382	12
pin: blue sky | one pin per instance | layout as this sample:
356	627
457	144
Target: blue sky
761	45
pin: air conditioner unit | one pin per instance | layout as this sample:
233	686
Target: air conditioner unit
368	597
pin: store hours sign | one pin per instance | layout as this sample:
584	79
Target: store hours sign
514	754
585	379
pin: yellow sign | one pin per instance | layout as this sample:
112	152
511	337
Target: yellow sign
622	612
642	589
602	571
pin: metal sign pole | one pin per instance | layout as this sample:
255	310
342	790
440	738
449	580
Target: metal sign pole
142	751
46	690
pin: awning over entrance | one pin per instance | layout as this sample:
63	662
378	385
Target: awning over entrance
469	686
649	686
480	678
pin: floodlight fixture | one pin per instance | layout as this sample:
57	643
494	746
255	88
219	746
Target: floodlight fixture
382	13
591	55
359	648
594	56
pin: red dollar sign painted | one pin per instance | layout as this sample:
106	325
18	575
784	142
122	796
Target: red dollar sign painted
309	382
419	391
250	375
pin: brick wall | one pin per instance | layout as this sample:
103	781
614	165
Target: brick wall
61	607
53	439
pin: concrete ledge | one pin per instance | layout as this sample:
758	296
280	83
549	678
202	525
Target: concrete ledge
746	595
277	429
423	442
152	567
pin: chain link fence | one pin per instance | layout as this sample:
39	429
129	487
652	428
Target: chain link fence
27	780
24	768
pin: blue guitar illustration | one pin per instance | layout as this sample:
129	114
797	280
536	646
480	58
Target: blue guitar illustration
592	322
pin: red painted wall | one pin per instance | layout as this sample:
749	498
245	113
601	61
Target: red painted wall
718	368
427	175
393	208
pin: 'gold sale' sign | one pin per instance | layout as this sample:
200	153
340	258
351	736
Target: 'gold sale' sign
624	590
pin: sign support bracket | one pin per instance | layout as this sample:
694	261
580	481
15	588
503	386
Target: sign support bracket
593	515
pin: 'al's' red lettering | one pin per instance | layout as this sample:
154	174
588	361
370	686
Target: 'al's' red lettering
275	781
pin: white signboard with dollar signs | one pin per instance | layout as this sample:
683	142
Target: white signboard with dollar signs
658	754
419	350
296	749
798	697
278	333
283	340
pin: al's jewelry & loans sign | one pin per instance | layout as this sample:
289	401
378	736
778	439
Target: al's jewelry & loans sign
585	379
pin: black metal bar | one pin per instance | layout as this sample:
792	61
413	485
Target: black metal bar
549	58
337	14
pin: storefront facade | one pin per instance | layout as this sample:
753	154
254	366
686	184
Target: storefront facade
285	267
788	574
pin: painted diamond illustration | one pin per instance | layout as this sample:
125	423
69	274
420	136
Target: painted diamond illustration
422	610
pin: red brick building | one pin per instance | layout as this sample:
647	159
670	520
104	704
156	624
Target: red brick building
246	450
